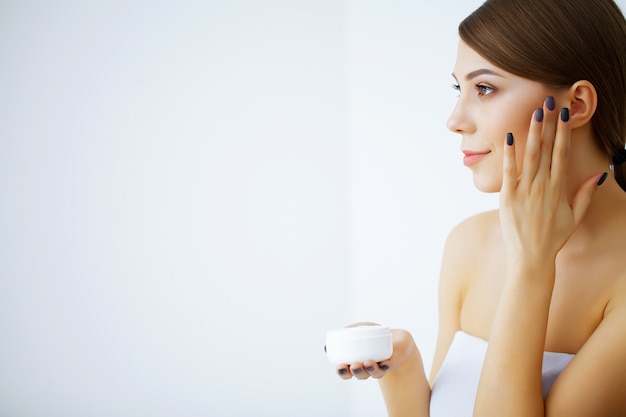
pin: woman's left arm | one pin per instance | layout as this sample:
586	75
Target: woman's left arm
537	219
594	382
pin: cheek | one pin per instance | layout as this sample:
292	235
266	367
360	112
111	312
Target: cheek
515	112
519	125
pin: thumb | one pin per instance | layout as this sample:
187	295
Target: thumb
583	197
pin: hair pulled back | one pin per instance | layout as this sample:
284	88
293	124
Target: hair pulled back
557	43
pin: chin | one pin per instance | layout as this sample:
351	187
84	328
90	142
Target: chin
487	185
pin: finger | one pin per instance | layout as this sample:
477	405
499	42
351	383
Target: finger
585	193
358	371
509	165
343	371
532	156
560	154
548	136
375	370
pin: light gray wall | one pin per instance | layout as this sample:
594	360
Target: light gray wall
173	207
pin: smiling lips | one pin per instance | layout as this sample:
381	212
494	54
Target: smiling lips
473	157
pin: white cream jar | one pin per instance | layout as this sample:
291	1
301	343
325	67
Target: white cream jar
358	344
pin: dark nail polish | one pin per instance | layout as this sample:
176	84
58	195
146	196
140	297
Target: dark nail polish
539	115
550	103
509	139
342	371
565	114
384	367
357	371
369	369
603	178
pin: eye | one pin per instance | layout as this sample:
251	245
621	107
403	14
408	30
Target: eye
484	90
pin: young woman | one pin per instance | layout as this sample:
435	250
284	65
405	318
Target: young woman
532	296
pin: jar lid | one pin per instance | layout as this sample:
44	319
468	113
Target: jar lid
358	332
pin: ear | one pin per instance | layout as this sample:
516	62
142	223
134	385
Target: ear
583	100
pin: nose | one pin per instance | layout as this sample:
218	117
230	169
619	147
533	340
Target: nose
459	120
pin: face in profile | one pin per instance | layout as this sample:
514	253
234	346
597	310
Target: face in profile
491	103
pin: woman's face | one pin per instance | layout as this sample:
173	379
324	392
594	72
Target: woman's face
491	103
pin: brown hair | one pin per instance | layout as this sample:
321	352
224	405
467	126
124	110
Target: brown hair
560	42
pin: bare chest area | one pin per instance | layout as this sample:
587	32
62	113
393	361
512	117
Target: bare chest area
577	307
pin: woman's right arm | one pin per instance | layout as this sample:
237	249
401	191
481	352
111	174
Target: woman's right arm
402	378
405	388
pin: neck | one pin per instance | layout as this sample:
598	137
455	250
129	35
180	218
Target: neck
609	200
585	160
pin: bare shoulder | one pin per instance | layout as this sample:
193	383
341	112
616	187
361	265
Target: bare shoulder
467	243
476	231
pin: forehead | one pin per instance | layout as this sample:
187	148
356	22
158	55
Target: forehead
468	60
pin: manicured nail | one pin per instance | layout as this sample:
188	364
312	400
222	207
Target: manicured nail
602	179
357	371
550	103
539	115
509	139
342	371
565	114
369	369
384	367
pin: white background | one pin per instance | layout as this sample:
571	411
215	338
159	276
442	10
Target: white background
193	192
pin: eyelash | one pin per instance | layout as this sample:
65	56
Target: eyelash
480	88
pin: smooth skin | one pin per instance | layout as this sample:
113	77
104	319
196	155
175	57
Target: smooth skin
545	272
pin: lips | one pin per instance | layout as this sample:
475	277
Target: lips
471	157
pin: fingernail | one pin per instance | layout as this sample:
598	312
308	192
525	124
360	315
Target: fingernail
539	115
342	371
603	178
384	367
357	371
509	139
550	103
369	368
565	114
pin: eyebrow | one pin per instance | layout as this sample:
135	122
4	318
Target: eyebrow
482	71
